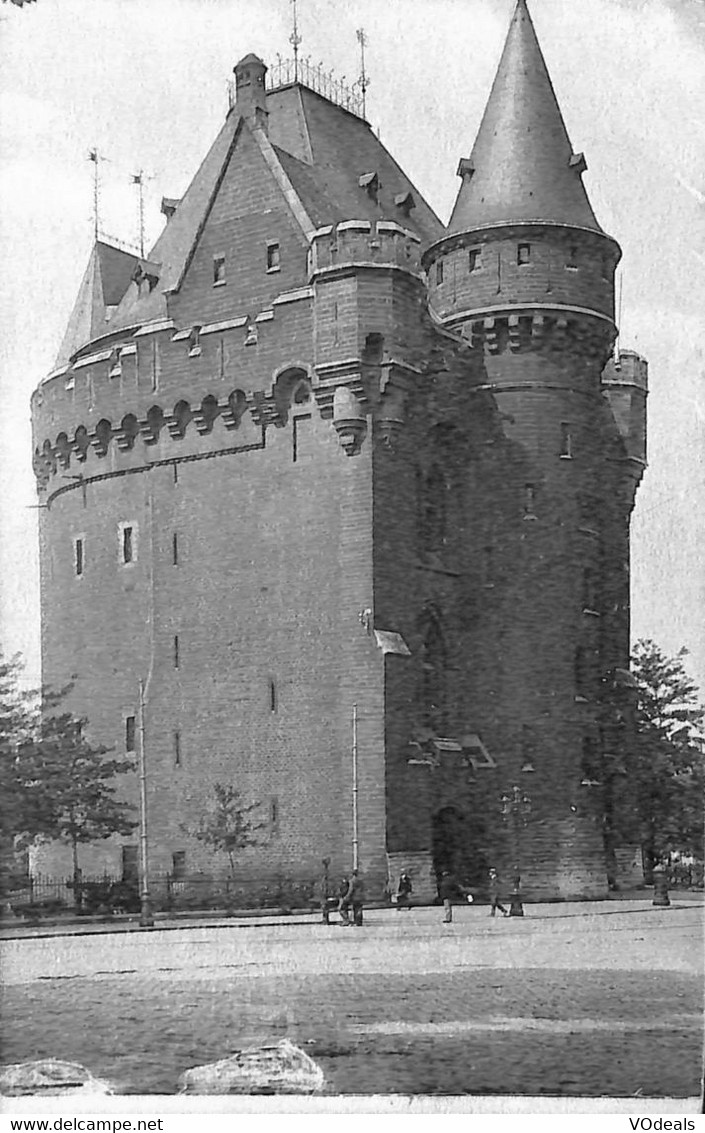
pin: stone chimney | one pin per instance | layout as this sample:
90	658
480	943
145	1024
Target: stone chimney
250	96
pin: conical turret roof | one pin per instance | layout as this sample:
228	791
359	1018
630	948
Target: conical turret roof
522	166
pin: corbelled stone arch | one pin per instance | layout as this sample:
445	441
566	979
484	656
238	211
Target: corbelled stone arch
180	419
292	387
235	409
81	443
153	425
102	436
205	416
127	433
49	457
63	449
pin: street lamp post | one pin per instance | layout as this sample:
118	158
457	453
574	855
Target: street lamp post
516	809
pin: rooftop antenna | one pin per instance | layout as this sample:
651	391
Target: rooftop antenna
138	179
364	81
96	158
295	40
619	317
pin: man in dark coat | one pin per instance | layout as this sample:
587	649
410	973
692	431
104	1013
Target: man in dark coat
494	895
356	897
404	890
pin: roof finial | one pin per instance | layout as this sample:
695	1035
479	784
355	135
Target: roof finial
364	82
95	157
295	40
138	179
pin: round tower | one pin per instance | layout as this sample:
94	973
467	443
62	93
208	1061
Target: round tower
526	273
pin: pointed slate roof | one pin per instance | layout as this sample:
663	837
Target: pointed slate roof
319	152
522	166
104	282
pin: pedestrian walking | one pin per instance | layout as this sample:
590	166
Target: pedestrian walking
494	895
356	897
447	890
324	892
404	890
343	902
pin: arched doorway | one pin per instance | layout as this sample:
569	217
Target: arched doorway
455	846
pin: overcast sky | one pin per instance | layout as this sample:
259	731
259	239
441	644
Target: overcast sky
145	82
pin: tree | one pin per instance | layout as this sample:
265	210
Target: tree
69	787
53	783
669	765
228	827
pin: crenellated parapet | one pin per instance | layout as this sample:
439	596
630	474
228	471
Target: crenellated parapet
625	390
354	244
545	328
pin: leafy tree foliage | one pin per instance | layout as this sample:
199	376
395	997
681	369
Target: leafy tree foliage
669	754
228	826
53	783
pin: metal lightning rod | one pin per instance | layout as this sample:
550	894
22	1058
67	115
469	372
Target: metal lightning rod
138	179
95	157
295	40
364	81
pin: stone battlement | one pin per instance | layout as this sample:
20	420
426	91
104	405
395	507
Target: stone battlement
360	243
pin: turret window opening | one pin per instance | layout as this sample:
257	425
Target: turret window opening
439	272
178	865
218	271
127	535
177	749
194	342
175	549
273	256
130	734
566	441
523	254
78	555
272	695
177	651
572	261
474	259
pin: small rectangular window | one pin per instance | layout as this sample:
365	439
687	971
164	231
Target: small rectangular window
566	441
474	256
178	865
572	261
175	549
273	813
78	559
194	342
439	272
177	749
130	733
176	651
523	253
301	438
272	695
273	257
218	270
128	543
529	501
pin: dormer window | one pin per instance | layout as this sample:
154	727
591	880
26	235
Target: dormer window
370	183
405	202
218	271
194	342
273	257
439	272
474	259
523	254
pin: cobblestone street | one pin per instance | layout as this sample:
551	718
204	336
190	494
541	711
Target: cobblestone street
601	999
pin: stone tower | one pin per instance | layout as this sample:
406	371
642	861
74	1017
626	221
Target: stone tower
526	274
348	492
